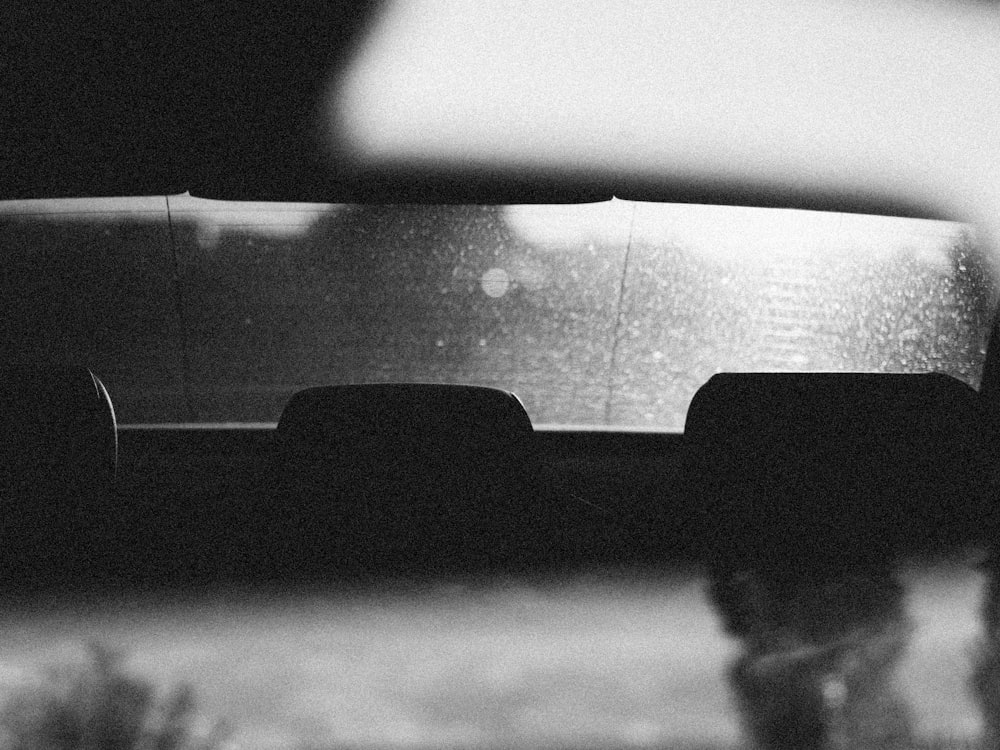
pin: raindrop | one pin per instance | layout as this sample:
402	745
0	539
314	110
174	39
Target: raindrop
495	282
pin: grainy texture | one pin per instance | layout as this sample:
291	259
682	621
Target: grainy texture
985	678
98	706
595	663
820	654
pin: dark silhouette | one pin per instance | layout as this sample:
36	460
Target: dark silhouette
58	458
814	486
985	678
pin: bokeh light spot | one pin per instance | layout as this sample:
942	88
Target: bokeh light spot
495	282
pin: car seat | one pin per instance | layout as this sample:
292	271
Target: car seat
411	480
844	466
58	458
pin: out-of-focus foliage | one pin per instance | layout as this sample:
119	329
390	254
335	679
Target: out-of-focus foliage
97	705
985	680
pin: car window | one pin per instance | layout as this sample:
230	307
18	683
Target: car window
607	315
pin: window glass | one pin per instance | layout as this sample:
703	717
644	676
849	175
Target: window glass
604	315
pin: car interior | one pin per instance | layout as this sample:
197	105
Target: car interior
416	374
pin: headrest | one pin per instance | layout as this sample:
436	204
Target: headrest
824	456
831	411
57	430
393	479
391	415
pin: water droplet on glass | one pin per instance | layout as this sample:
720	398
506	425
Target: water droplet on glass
495	282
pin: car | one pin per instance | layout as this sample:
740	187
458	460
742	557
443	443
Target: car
619	374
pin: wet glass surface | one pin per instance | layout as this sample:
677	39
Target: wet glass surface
608	314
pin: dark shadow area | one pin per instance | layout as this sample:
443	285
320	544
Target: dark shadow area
97	290
126	99
815	488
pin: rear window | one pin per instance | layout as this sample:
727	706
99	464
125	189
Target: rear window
606	315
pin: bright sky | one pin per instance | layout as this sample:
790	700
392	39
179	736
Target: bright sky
718	231
891	99
734	232
211	217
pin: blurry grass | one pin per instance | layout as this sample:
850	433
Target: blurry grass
985	680
96	705
630	664
986	684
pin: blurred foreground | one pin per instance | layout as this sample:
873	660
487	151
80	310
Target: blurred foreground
600	660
